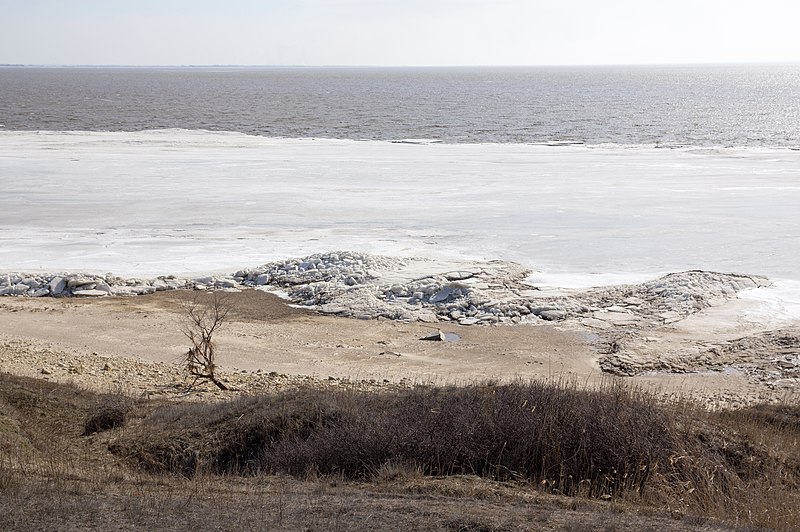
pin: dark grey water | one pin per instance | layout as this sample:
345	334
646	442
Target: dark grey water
669	105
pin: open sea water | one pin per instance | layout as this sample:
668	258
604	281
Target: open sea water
724	105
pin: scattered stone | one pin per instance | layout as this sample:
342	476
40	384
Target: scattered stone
437	337
458	276
552	315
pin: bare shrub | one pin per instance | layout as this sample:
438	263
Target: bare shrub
206	314
109	412
555	435
105	419
567	439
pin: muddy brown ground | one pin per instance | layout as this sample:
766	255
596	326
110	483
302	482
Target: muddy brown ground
263	332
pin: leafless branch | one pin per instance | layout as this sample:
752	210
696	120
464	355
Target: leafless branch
206	313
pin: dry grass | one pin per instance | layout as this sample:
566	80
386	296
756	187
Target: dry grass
743	465
573	441
481	457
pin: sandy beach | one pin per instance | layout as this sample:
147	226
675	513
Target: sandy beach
136	343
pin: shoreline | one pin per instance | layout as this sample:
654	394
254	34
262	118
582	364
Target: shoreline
353	284
689	334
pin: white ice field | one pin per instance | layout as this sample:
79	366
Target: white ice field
191	202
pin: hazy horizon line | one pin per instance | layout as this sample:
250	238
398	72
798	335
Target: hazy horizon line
246	65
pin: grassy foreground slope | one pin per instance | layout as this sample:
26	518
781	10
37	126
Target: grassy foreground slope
523	456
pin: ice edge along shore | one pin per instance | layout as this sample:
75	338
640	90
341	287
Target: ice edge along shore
368	286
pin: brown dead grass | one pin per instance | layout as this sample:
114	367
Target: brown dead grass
706	471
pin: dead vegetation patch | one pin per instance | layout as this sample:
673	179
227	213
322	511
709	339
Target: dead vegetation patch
440	458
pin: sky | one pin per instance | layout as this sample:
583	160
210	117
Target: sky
397	32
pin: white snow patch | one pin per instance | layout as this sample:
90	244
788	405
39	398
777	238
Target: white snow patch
776	305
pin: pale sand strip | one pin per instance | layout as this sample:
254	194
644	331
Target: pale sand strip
139	342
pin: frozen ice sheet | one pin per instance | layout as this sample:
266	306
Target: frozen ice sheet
185	202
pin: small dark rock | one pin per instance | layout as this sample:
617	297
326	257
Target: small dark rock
438	337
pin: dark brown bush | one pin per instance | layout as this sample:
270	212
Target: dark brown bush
109	412
596	441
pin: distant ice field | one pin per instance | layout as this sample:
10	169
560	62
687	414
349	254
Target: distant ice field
189	202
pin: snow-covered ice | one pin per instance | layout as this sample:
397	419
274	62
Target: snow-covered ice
192	202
